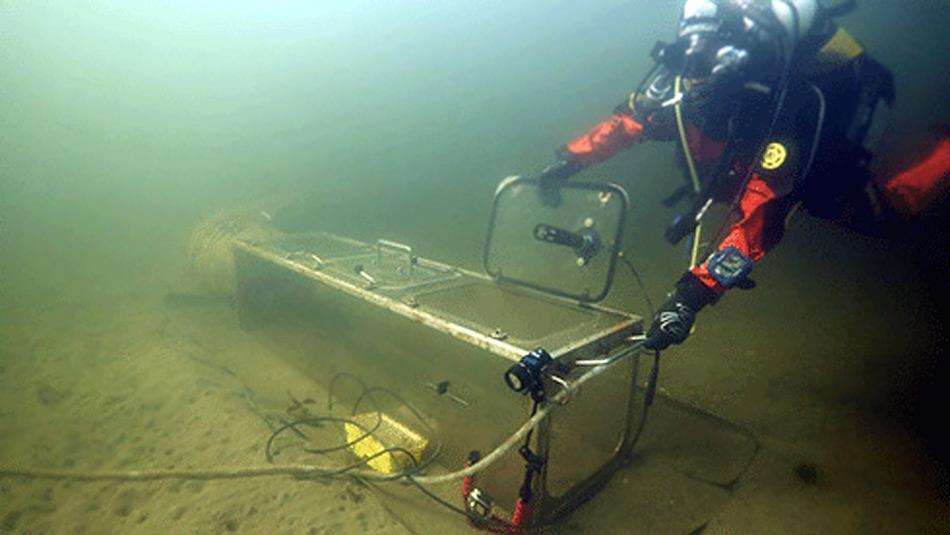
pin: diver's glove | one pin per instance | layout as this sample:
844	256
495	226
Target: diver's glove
674	320
553	176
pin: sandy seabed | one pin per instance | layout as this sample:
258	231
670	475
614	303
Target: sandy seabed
132	384
122	380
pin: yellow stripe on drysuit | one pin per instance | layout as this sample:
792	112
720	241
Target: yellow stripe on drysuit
840	50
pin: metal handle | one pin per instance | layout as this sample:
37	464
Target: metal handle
637	344
558	236
397	247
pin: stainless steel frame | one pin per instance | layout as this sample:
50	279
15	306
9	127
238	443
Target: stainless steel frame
429	321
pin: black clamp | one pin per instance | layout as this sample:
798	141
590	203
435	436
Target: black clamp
533	465
533	461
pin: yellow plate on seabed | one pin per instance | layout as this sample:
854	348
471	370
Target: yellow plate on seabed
371	433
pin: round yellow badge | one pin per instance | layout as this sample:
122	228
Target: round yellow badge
775	155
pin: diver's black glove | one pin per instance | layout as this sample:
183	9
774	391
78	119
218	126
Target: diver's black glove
553	176
673	321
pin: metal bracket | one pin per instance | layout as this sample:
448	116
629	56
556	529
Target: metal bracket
480	503
301	256
397	247
636	344
370	280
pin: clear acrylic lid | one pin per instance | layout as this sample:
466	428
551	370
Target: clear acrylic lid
563	243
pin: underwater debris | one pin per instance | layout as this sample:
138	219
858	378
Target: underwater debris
807	473
210	259
50	395
10	520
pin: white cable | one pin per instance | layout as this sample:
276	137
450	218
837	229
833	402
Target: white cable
306	470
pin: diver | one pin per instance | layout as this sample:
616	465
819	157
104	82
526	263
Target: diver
776	108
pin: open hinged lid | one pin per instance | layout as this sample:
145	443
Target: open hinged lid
563	241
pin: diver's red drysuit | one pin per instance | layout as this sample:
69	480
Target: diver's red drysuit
815	157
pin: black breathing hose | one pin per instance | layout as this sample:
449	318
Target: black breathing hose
786	49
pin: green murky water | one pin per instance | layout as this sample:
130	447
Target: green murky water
125	124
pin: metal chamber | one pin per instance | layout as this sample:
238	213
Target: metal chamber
442	337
